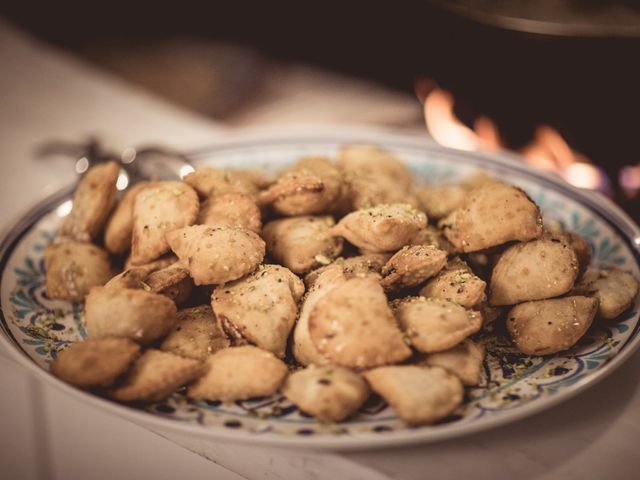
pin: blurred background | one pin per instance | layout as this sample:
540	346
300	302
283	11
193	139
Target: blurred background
556	80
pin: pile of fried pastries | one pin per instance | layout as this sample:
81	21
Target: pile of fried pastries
335	279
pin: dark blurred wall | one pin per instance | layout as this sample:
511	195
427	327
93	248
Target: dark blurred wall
587	88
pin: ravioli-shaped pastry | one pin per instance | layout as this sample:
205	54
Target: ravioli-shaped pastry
260	309
376	177
615	289
438	201
236	210
457	283
311	186
156	375
550	326
464	361
367	190
374	161
322	281
433	325
211	181
353	326
157	211
196	334
172	281
579	245
152	266
419	395
329	393
430	235
217	255
95	362
121	312
117	234
302	243
533	271
384	228
92	202
73	268
239	373
491	215
369	264
411	266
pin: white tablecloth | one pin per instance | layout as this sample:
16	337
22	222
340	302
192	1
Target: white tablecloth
45	434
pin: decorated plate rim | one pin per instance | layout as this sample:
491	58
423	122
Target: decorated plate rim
598	204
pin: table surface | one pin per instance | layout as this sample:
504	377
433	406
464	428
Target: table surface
44	94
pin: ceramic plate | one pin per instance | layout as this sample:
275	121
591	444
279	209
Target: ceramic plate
513	385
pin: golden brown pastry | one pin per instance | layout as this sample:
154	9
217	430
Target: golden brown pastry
533	271
117	234
260	309
239	373
353	326
385	228
544	327
237	210
196	334
156	375
73	268
491	215
302	243
92	202
457	283
615	289
95	362
217	255
433	325
313	185
419	395
157	211
464	361
412	265
330	393
121	312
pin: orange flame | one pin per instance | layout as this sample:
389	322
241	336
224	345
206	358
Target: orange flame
548	150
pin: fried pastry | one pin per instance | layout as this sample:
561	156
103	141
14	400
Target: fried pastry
384	228
433	325
210	182
196	334
492	215
533	271
544	327
121	312
157	211
95	362
117	233
237	210
353	326
73	268
260	309
330	393
419	395
302	243
217	255
239	373
464	361
156	375
438	201
615	289
411	266
92	202
457	283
